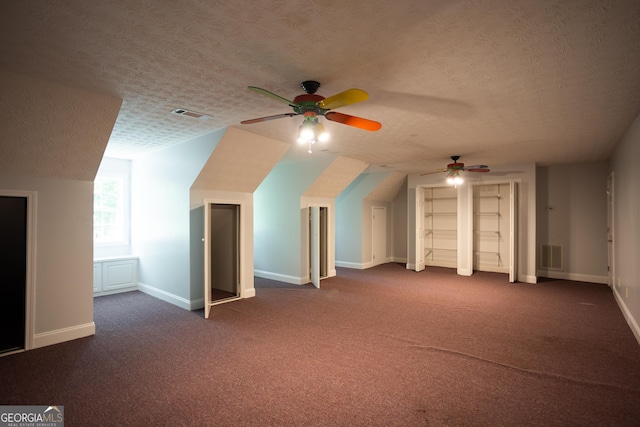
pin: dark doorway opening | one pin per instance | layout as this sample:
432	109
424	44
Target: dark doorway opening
13	265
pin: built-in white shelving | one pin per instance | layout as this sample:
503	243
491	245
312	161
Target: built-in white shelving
440	226
491	227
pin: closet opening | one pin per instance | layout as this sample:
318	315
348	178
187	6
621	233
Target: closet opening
17	252
222	254
494	228
13	263
318	244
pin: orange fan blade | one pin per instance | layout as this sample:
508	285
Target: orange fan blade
264	119
353	121
348	97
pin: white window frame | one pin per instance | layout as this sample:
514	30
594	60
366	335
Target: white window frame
121	170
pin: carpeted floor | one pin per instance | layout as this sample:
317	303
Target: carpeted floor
377	347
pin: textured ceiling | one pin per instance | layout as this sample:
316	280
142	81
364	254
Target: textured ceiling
495	81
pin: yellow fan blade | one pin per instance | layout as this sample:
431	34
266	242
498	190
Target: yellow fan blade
348	97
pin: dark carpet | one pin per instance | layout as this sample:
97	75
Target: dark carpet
377	347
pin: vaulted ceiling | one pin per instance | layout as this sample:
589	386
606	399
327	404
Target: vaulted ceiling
495	81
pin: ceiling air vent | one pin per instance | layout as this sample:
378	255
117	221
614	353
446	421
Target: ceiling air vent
183	112
551	257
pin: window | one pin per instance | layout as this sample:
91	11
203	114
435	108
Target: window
109	210
112	209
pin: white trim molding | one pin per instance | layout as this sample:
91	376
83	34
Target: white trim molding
181	302
562	275
347	264
57	336
281	277
627	315
165	296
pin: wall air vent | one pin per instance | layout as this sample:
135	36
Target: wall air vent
551	257
188	113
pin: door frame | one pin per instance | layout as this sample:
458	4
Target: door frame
306	203
319	242
373	234
611	231
314	245
29	324
207	252
419	264
513	230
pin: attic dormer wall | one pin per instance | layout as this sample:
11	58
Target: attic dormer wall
279	219
282	213
237	166
160	216
53	138
354	217
169	189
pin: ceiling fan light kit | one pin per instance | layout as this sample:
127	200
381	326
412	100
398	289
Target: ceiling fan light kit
454	179
453	171
311	131
311	106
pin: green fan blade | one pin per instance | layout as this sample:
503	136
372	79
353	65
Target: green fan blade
264	119
271	95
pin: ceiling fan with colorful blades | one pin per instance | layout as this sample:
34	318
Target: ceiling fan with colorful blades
311	105
453	170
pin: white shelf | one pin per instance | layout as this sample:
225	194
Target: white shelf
430	199
441	213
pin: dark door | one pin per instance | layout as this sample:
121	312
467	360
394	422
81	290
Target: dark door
13	265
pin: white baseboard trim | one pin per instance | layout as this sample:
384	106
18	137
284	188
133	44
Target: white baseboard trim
590	278
365	265
115	291
196	304
281	277
631	321
464	272
167	296
347	264
525	278
58	336
184	303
